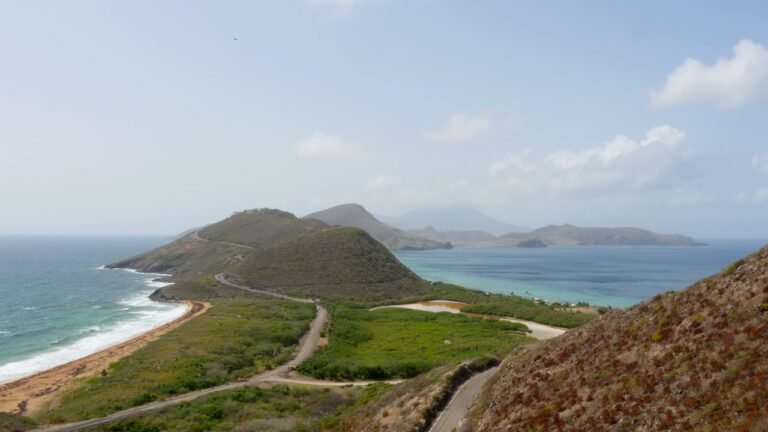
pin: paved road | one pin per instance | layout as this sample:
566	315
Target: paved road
456	413
307	346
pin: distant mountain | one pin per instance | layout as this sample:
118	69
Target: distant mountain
693	360
569	235
457	238
453	219
355	215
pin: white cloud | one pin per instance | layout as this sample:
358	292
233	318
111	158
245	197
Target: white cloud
760	163
459	128
759	196
330	147
381	182
728	83
622	164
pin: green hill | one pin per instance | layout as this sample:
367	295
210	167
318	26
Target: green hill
223	245
339	262
275	250
260	228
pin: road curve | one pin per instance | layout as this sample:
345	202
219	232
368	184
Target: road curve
221	277
456	413
307	346
196	236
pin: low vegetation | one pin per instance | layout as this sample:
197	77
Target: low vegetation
15	423
236	338
510	305
278	408
388	343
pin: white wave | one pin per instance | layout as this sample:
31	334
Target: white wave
158	284
153	281
141	300
29	307
90	329
5	333
93	342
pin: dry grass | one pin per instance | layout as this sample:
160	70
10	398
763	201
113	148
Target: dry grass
695	360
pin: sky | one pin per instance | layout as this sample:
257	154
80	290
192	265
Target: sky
149	117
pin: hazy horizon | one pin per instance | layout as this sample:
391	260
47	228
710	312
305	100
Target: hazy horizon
148	118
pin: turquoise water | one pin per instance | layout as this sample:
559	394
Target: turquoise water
600	275
57	304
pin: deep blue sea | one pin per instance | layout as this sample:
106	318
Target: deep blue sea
600	275
57	304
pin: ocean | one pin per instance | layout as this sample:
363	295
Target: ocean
618	276
59	304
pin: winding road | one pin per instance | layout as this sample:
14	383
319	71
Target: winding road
196	236
456	413
307	346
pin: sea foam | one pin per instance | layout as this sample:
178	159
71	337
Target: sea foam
146	315
95	341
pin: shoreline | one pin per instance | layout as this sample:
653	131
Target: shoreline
93	340
29	393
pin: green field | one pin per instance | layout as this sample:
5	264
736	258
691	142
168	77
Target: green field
235	338
510	306
404	343
255	409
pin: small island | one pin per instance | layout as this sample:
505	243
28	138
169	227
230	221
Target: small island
531	244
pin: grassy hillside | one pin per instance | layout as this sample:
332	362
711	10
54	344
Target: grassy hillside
216	248
235	338
694	360
387	343
354	215
260	228
336	263
186	259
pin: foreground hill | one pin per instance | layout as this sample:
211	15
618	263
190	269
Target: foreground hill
453	219
694	360
355	215
569	235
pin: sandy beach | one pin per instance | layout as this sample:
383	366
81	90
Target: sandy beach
30	393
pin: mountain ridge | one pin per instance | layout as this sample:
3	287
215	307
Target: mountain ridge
355	215
571	235
456	218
